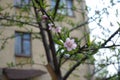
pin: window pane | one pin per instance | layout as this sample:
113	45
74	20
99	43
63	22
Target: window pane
18	43
26	36
62	7
63	2
22	44
26	47
26	44
24	2
21	3
62	11
53	4
65	7
17	2
69	7
69	3
70	12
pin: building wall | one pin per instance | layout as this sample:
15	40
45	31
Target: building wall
7	55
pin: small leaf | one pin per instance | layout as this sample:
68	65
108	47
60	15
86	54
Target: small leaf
58	42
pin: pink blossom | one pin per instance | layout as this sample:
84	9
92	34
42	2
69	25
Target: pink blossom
70	44
44	18
50	26
58	29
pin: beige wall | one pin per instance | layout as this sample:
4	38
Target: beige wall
38	54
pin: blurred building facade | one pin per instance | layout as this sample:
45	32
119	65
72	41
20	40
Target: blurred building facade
23	57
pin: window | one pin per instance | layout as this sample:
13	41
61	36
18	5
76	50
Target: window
22	44
21	3
65	7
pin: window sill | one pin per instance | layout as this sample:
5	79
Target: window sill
72	16
22	55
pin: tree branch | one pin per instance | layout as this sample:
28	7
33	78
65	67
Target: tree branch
52	59
87	21
78	26
56	8
42	33
10	19
83	59
110	37
74	67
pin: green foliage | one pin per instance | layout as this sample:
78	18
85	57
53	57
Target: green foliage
70	22
74	8
59	17
58	42
103	73
1	8
77	56
79	1
88	76
11	64
36	4
91	60
25	8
